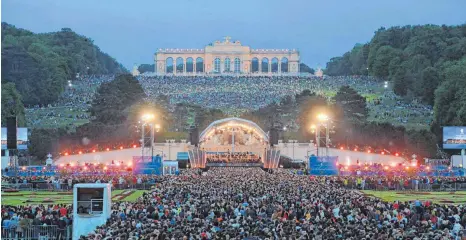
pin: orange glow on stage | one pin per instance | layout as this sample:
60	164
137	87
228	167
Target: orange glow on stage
66	154
93	150
108	149
121	147
80	152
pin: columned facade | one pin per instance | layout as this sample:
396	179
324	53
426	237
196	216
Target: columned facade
227	57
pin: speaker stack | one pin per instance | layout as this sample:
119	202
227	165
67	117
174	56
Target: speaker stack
273	136
194	136
11	133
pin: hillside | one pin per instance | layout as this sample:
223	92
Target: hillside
41	64
426	63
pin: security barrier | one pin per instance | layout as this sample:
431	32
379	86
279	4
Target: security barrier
36	232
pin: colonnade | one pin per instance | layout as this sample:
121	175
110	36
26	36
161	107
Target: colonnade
224	65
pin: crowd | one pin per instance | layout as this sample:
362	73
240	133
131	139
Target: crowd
237	157
16	220
244	92
249	203
242	203
67	182
73	104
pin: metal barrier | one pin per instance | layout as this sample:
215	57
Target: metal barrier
18	186
37	232
66	187
402	187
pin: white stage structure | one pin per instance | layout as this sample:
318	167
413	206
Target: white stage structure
91	207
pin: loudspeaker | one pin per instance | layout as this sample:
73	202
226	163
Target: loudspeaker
273	136
194	136
11	131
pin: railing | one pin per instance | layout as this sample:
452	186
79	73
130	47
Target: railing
234	164
17	186
409	187
37	232
66	187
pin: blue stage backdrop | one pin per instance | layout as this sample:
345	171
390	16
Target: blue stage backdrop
147	167
323	165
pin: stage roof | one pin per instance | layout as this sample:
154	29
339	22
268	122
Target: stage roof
233	122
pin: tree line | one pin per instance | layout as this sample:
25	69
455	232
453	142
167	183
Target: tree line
39	65
426	62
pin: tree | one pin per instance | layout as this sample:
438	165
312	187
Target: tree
305	68
430	81
12	105
450	96
352	104
385	54
308	111
146	68
114	98
40	64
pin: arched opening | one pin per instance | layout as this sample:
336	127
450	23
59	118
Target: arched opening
284	63
255	65
217	65
274	65
265	65
179	65
199	64
237	65
169	65
189	64
227	65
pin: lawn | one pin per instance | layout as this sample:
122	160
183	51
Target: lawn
47	197
436	197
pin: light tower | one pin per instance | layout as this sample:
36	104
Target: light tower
147	140
323	136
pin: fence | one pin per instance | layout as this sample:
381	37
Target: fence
66	187
37	232
409	187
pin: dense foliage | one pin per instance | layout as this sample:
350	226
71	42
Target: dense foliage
306	69
146	68
12	105
425	62
413	57
40	64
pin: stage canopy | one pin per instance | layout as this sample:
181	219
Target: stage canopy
233	123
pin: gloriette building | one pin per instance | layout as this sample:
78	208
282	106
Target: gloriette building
226	57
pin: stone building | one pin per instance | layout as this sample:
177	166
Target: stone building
227	57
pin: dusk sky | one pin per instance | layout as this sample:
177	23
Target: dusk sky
131	31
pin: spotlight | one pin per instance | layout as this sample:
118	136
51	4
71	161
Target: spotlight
341	148
134	146
66	154
368	151
80	152
121	147
383	153
108	149
396	154
24	168
93	150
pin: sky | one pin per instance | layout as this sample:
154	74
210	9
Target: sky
131	31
